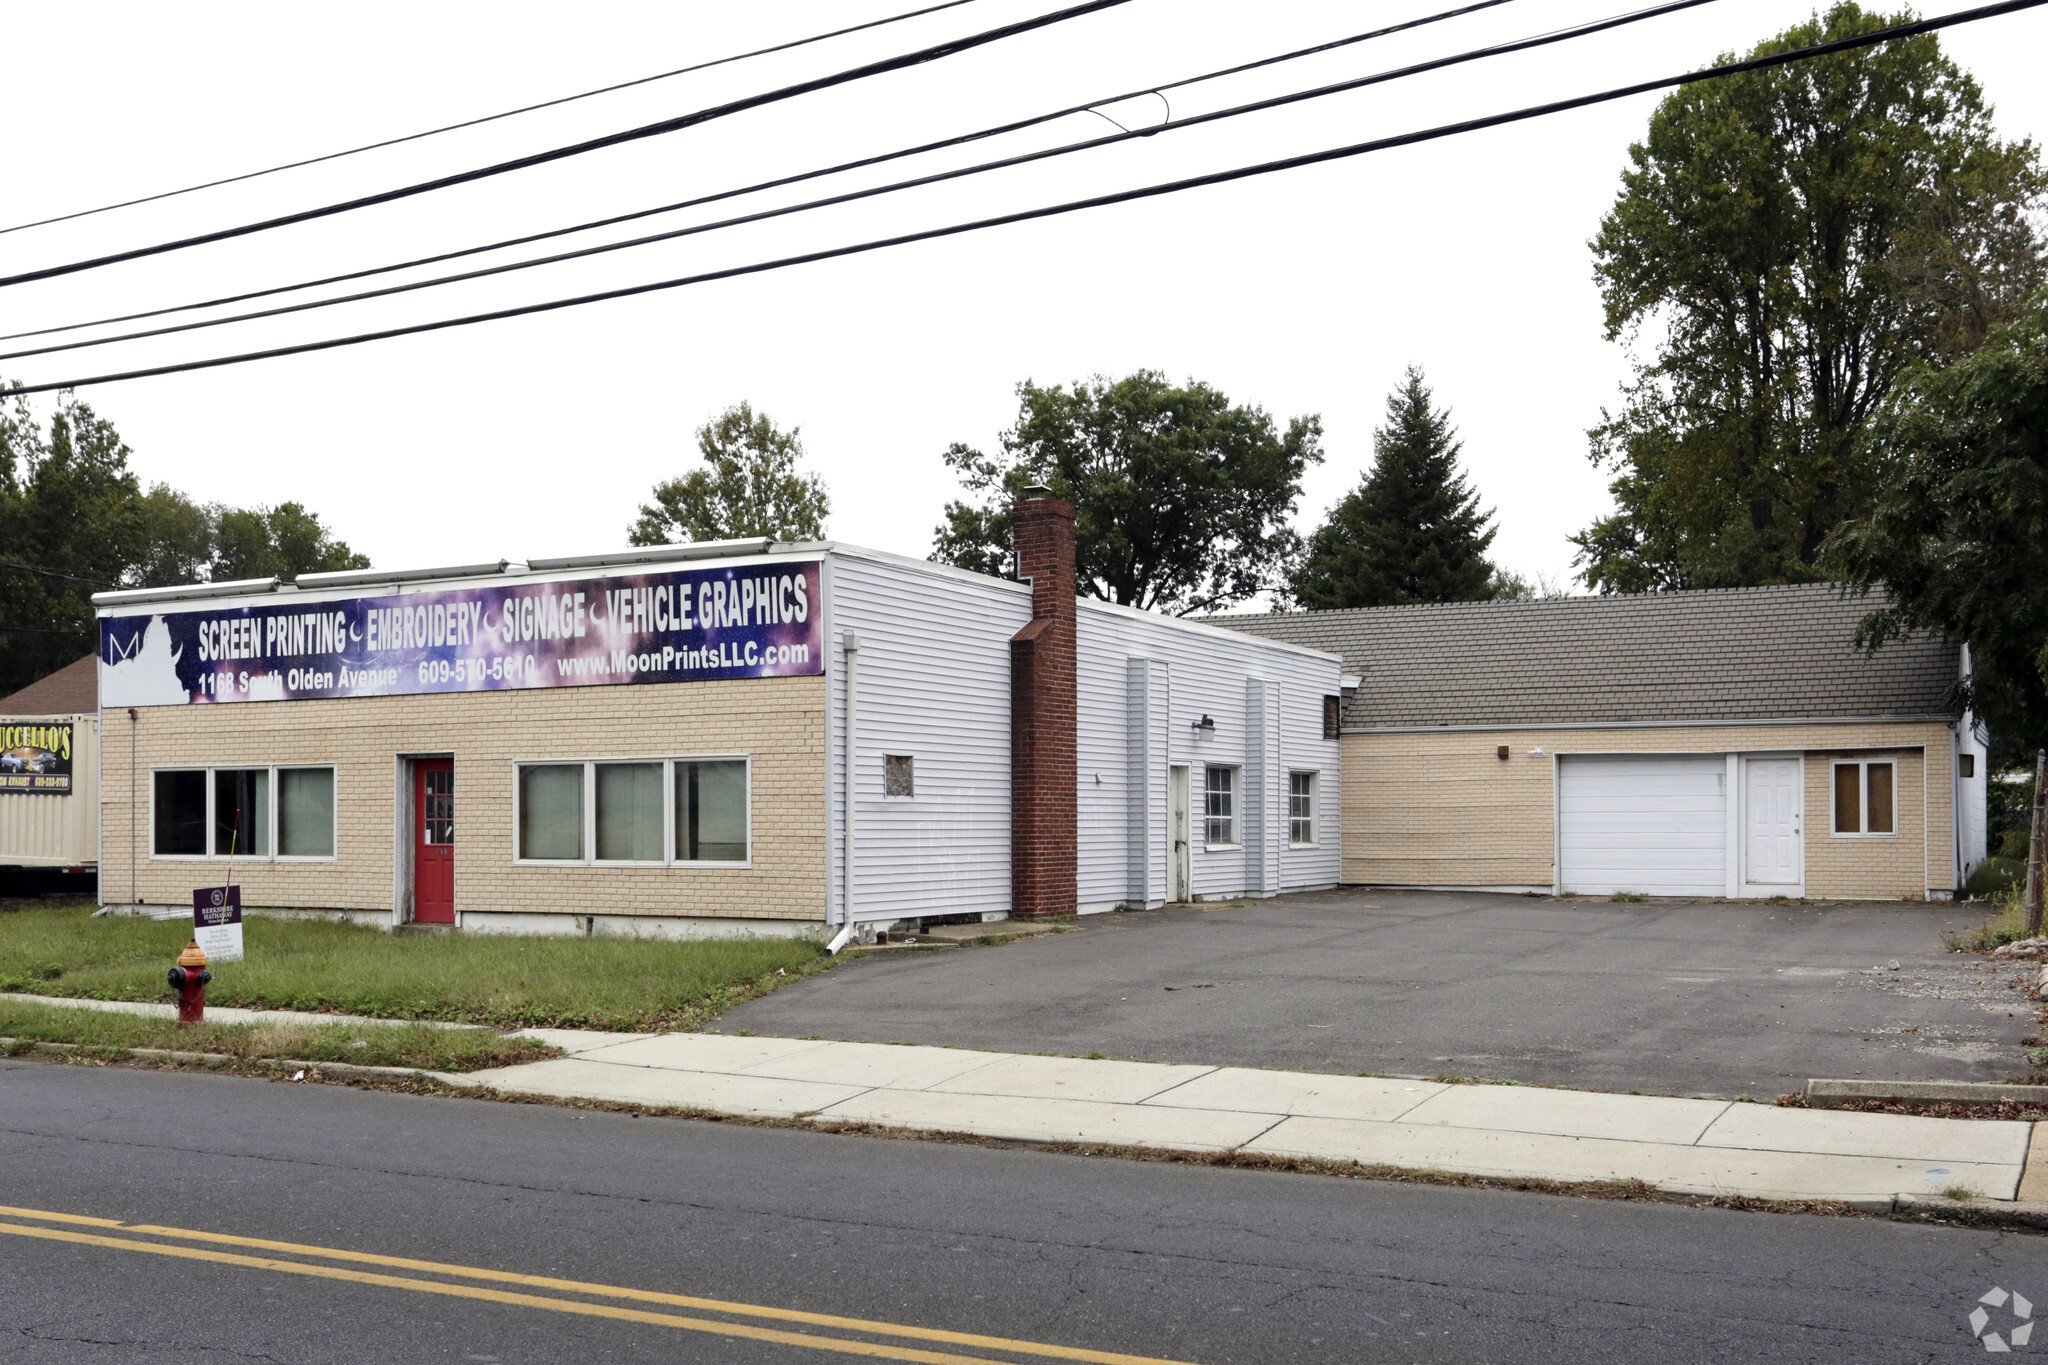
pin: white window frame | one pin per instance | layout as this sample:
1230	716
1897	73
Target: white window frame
1862	766
1236	839
1315	807
668	764
149	833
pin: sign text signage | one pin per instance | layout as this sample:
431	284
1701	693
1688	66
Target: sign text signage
217	922
759	620
35	757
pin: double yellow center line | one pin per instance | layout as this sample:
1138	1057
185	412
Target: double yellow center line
69	1223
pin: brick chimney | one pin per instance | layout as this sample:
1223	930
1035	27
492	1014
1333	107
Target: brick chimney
1043	777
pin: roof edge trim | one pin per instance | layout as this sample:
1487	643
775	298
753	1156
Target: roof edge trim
1712	723
240	587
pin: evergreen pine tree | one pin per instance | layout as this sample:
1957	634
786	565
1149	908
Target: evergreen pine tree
1413	531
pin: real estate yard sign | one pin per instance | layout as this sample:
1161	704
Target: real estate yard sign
217	922
35	757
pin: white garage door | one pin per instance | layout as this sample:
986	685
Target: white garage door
1656	823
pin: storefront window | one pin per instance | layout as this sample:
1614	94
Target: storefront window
180	815
551	812
629	812
305	812
711	811
241	813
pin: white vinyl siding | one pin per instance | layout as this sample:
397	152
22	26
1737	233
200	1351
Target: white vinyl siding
1164	675
1653	823
934	682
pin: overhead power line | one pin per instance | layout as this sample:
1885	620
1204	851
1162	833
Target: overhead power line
1884	35
861	163
921	56
486	118
937	177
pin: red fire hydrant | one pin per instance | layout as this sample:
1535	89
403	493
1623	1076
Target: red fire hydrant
189	980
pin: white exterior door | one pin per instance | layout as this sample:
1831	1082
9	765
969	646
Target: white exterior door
1773	792
1654	823
1179	854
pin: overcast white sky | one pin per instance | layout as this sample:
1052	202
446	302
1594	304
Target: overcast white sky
1301	292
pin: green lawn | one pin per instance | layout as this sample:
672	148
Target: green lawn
415	1045
602	983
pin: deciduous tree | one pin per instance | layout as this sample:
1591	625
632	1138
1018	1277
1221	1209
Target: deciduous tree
1786	243
750	488
1182	498
1958	539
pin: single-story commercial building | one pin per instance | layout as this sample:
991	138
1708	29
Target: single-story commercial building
745	737
1718	743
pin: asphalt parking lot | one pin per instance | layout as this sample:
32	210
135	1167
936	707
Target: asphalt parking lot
1671	997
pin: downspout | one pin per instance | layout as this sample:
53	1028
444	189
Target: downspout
851	643
134	825
1956	731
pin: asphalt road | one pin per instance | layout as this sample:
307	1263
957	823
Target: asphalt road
1067	1253
1673	997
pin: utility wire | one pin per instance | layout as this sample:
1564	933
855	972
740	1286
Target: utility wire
1777	59
863	162
1108	139
900	62
487	118
54	573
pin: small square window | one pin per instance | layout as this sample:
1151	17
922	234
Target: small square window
1966	765
1333	717
1864	797
899	775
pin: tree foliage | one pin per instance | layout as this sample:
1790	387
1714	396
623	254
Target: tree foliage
1413	531
1958	539
751	488
1788	242
74	520
1182	498
285	540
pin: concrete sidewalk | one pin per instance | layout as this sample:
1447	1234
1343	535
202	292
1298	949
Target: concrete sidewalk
1689	1146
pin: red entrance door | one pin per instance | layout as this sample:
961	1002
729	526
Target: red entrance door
433	841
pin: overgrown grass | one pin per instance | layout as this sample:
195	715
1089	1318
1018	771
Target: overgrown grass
323	966
2007	922
416	1045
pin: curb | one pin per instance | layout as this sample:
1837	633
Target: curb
1829	1094
2028	1215
222	1059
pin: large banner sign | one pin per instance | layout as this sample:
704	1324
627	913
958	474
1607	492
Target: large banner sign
753	621
35	758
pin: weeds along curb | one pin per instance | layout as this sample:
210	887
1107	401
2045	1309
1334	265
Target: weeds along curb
215	1061
415	1081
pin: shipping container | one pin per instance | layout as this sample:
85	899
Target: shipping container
49	793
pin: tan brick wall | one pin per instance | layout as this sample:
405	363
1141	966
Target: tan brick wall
1441	809
779	722
1875	866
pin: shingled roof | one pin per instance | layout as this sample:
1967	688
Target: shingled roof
1724	655
71	690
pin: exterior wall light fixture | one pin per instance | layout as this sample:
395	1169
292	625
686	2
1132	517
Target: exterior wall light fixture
1205	728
